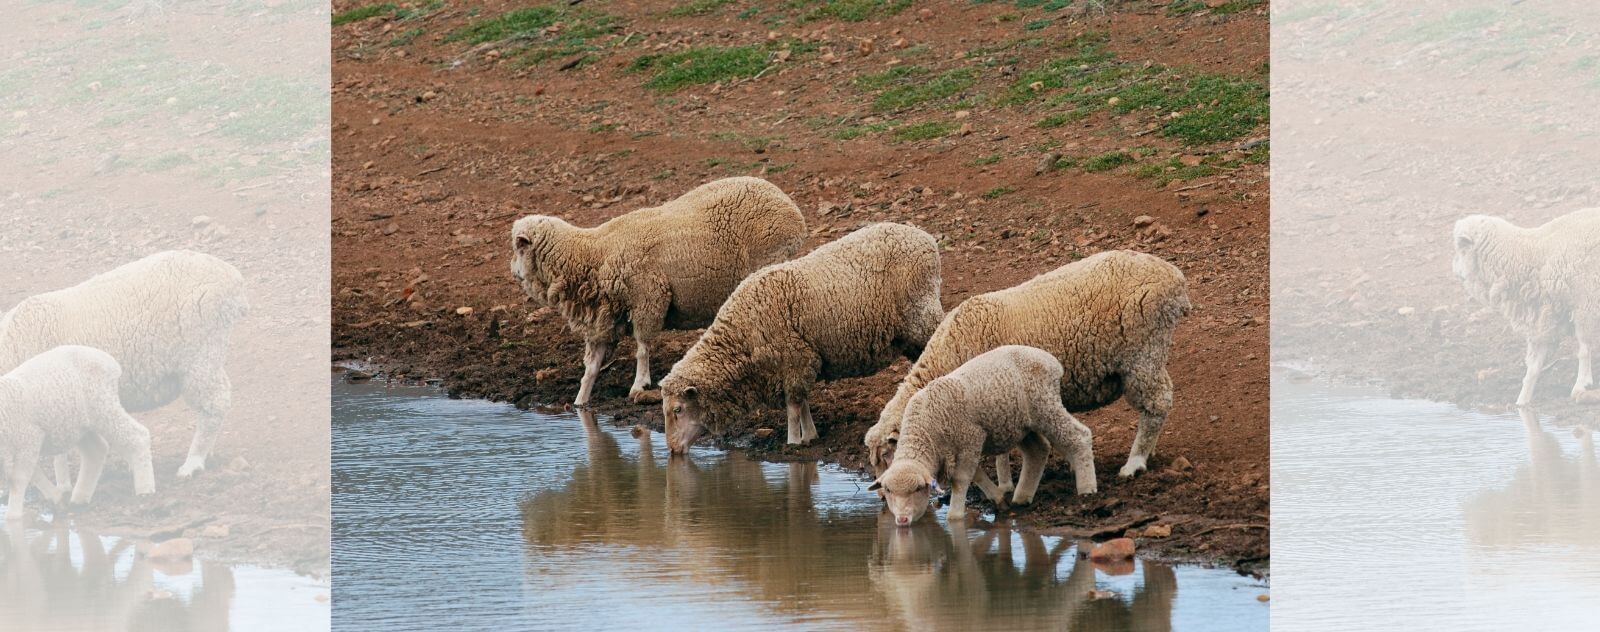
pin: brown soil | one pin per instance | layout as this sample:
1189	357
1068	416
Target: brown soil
434	159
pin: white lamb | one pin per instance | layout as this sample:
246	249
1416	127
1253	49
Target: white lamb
165	319
664	267
1544	280
1009	397
62	399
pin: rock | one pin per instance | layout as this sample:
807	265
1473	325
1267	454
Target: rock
1112	550
1113	101
1035	86
1406	311
391	228
544	374
961	114
1158	531
174	549
1143	221
764	432
1047	163
215	531
1263	598
200	221
966	128
429	95
464	311
1182	464
357	376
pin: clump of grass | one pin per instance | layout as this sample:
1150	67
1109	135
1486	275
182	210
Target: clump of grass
1189	7
418	12
578	26
599	128
362	13
923	131
1173	169
987	160
700	65
998	191
857	131
850	10
1062	118
1107	161
697	7
1036	25
903	87
404	38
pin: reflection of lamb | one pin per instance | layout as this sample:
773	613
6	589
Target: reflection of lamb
63	398
166	320
1544	280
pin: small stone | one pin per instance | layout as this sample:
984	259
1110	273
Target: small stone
544	374
357	376
429	95
961	114
1113	101
215	531
966	128
174	549
464	311
1113	550
763	432
1182	464
1263	598
200	221
1158	531
376	120
1406	311
391	228
1143	221
1047	163
1035	86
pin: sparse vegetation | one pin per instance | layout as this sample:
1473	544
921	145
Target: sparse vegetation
1190	7
1107	161
1173	169
903	87
998	191
848	10
362	13
697	7
923	131
405	37
532	38
987	160
1062	118
857	131
700	65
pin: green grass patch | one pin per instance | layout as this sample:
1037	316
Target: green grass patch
1178	8
998	191
848	10
701	65
1107	161
903	87
697	7
1036	25
923	131
1173	169
362	13
1062	118
404	38
852	132
990	159
526	32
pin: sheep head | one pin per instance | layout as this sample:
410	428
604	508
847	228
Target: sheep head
1471	234
906	487
531	240
684	414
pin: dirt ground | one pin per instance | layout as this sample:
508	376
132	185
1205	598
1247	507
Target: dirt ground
142	130
441	143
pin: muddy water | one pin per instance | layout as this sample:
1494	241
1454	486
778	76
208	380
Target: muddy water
486	517
71	580
1407	515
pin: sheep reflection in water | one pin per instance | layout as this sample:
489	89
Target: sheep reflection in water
730	527
1552	499
42	587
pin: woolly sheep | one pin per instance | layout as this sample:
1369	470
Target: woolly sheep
60	399
1544	280
165	319
1005	398
847	309
665	267
1108	318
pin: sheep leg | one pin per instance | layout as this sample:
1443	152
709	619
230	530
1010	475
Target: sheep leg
641	369
1588	330
1539	350
993	492
63	473
48	489
965	467
595	353
1002	471
131	441
23	460
1150	392
1076	441
206	390
92	450
801	427
1035	453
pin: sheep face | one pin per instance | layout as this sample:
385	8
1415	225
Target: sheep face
906	487
528	238
685	417
1469	235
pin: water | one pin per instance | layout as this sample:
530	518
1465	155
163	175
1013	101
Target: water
482	517
72	580
1405	515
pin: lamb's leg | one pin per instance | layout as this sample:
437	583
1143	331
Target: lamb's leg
47	489
24	459
1002	471
1539	350
993	492
595	353
92	450
801	428
1065	433
1035	453
206	389
1588	339
130	440
641	370
965	467
1150	392
63	473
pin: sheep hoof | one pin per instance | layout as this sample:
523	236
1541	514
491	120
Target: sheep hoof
189	469
1131	470
641	396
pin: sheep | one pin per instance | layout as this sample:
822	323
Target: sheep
64	398
1005	398
1545	281
1108	318
165	318
664	267
847	309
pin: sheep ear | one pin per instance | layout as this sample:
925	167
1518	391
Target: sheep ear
691	393
894	437
521	242
1463	242
933	484
875	486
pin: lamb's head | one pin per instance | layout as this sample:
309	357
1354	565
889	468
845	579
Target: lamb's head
880	446
531	239
906	487
683	412
1471	235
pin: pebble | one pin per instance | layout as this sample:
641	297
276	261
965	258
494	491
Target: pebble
1112	550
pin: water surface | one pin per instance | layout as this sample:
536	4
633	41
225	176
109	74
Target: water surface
1407	515
482	516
